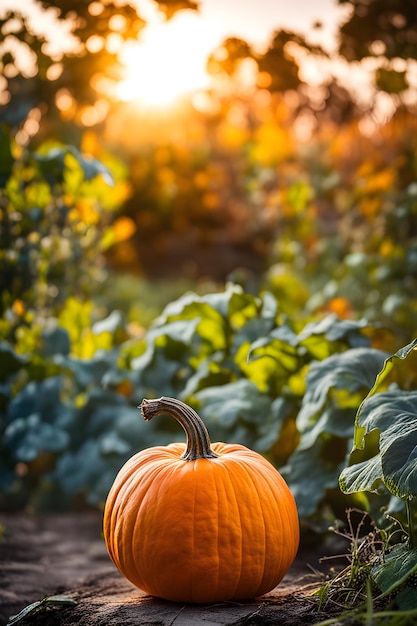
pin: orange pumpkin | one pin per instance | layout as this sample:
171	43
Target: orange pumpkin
200	523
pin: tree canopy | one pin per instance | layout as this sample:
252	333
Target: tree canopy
78	83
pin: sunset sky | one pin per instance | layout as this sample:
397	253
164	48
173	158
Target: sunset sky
255	21
174	53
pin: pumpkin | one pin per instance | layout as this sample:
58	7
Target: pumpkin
197	522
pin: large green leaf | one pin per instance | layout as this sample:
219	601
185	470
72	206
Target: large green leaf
55	341
208	374
28	436
227	403
394	414
237	407
87	372
353	372
335	329
310	473
269	431
42	397
398	565
388	365
364	476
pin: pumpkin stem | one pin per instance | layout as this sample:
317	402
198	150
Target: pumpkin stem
198	440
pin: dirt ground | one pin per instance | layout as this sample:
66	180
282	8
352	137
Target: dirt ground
65	554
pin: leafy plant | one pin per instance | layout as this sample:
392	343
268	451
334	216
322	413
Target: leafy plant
388	470
236	357
49	601
57	210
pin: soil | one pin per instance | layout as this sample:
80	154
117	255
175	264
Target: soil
64	554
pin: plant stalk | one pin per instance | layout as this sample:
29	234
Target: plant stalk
411	530
198	440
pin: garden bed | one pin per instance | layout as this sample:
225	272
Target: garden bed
65	554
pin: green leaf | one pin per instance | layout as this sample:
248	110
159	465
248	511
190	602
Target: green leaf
365	476
310	473
282	334
398	565
10	362
6	156
87	371
108	325
335	329
224	406
55	341
406	600
394	414
92	167
57	600
332	420
13	619
54	164
208	374
28	437
43	398
77	471
389	362
269	431
352	371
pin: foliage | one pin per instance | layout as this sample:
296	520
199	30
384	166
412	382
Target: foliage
236	357
391	23
300	188
378	584
57	217
391	413
87	68
335	215
384	561
384	31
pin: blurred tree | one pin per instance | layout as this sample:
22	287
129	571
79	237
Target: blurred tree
78	82
278	69
279	65
226	59
391	23
384	29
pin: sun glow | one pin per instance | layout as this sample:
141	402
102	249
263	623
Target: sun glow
168	63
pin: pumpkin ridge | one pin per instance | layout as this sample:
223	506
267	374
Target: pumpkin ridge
261	506
194	532
247	469
137	540
239	513
215	473
286	518
222	472
162	479
279	524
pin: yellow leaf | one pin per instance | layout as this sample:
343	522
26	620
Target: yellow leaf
85	211
18	308
122	229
